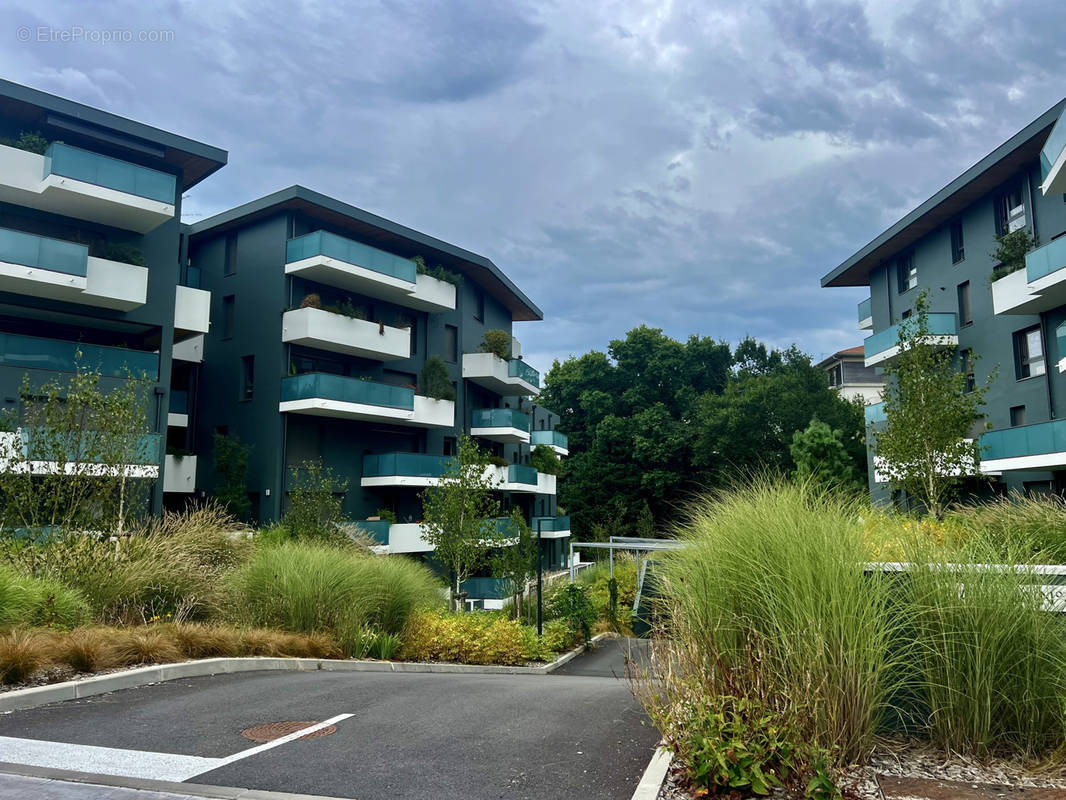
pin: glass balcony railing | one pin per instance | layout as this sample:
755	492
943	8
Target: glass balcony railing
54	255
549	438
111	173
412	465
551	524
487	588
347	390
1049	154
323	243
1040	438
940	324
521	473
520	369
865	309
875	413
32	352
499	418
1045	260
38	446
1060	337
179	401
376	529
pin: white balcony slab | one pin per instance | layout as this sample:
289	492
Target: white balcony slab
1012	294
190	349
107	284
866	324
546	483
937	340
491	371
427	413
192	311
506	435
179	474
337	333
23	182
177	420
425	294
408	537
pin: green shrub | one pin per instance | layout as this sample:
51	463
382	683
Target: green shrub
435	380
468	638
30	141
572	605
596	580
388	515
438	272
544	459
39	602
310	588
497	342
315	500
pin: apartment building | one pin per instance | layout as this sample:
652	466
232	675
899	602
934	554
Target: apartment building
324	317
90	207
847	372
1013	321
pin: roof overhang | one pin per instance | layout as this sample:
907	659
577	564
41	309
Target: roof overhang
379	232
990	172
82	125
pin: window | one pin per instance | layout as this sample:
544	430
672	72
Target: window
231	254
836	375
449	446
966	357
906	314
479	305
906	272
1005	203
451	344
965	316
1028	353
1017	416
958	251
247	377
228	303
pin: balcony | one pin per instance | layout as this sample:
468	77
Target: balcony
1041	286
500	425
551	527
85	185
54	454
1040	446
192	312
516	478
55	269
336	261
884	345
487	588
403	469
322	394
376	529
1052	159
190	350
553	439
866	315
54	355
505	378
179	474
338	333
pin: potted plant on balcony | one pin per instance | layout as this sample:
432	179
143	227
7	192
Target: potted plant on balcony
436	382
1010	252
497	342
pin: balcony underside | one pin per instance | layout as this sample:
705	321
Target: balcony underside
501	434
427	413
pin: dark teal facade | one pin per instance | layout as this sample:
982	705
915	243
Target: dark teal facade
948	242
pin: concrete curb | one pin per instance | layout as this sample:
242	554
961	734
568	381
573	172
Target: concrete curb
652	779
20	699
146	785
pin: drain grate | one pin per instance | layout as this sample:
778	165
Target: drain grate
275	730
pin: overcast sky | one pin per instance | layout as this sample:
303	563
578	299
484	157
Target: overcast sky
696	166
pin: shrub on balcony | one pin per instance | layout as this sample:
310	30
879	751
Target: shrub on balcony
544	459
436	382
497	342
438	272
1010	252
30	141
311	300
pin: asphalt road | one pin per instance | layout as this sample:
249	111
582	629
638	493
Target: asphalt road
411	735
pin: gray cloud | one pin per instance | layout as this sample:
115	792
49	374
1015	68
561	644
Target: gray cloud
696	166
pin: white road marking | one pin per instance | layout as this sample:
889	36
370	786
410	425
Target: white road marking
132	763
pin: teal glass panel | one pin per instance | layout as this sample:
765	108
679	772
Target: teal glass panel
940	324
549	438
111	173
865	309
378	530
1049	154
521	473
412	465
487	588
551	524
875	413
1026	440
347	390
499	418
520	369
33	352
44	447
1045	260
54	255
323	243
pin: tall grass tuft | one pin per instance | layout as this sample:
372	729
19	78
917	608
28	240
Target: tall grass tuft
769	600
320	589
1029	528
39	602
86	649
22	653
990	658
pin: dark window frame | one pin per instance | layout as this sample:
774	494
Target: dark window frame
962	292
958	242
229	263
450	344
247	391
1024	360
906	273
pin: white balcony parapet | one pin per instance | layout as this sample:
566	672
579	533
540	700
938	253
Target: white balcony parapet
192	311
26	180
179	474
106	284
190	349
338	333
546	483
493	372
408	537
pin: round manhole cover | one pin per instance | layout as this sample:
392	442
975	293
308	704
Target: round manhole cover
275	730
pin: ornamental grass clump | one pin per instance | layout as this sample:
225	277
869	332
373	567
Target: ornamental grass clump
39	602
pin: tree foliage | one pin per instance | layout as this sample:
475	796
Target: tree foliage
820	456
435	380
517	562
316	497
80	457
654	419
926	444
231	462
459	513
